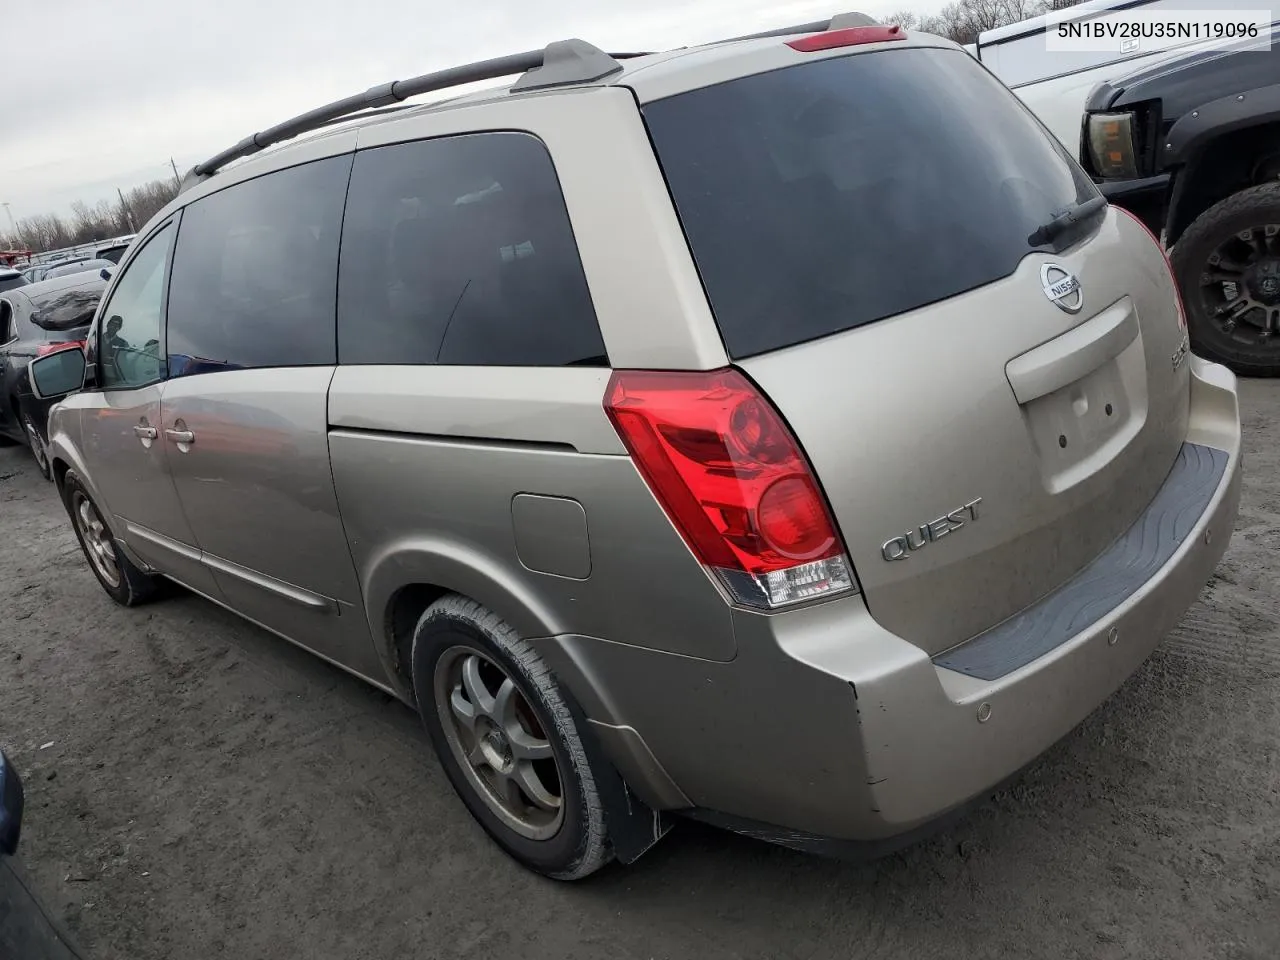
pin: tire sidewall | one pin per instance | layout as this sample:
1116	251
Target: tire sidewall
42	455
131	589
562	855
1189	258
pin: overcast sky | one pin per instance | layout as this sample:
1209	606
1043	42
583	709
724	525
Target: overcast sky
100	95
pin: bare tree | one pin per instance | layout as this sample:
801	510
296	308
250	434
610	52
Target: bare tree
99	222
963	20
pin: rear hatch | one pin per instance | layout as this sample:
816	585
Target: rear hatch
867	228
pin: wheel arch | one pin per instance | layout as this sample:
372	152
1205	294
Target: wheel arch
404	579
1218	149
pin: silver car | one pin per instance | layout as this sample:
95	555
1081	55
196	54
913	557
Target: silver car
781	432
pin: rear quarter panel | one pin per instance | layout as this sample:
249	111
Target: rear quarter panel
427	462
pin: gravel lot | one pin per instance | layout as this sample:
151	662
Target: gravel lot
212	792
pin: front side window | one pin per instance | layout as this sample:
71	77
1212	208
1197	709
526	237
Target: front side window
132	321
255	273
460	251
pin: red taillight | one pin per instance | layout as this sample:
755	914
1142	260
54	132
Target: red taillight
849	37
47	348
1177	291
733	481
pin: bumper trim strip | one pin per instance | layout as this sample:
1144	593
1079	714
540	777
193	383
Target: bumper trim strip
1104	584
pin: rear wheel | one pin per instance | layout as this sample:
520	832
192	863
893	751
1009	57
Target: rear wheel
35	440
124	582
507	740
1228	268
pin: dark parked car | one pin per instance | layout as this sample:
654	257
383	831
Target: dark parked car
27	932
37	319
113	251
11	278
1190	146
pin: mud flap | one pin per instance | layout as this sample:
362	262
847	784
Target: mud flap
633	825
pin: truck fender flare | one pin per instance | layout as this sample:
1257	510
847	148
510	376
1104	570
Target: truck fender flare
1237	111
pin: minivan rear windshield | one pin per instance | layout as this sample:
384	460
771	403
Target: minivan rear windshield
824	196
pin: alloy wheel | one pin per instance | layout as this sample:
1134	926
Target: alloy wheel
97	539
499	743
36	443
1240	286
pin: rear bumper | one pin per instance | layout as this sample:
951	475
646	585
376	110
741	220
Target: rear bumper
828	727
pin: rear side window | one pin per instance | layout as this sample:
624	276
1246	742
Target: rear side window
459	251
255	273
824	196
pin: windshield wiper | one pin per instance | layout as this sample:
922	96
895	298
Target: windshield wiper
1065	221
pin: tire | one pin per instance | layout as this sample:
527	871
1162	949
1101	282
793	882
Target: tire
456	634
130	586
35	440
1238	345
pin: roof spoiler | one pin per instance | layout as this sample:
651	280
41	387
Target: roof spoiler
561	63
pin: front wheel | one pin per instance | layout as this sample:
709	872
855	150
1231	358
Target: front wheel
507	740
120	577
1227	265
35	440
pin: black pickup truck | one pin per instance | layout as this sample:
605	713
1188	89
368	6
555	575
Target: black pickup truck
1192	147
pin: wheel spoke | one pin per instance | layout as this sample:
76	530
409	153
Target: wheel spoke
1218	276
525	746
474	685
1236	308
532	787
463	709
504	705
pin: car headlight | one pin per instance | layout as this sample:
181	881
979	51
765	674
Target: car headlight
1111	144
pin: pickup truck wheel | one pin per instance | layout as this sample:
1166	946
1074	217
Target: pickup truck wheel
1227	264
124	582
507	740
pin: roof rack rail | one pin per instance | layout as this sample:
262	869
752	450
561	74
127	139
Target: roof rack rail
841	21
560	63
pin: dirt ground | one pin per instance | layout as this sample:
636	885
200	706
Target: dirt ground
208	791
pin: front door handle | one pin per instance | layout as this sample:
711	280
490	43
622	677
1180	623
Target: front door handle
180	436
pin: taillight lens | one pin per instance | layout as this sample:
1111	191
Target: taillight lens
1177	291
848	37
733	481
47	348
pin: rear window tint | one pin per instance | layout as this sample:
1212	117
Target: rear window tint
821	197
460	251
255	272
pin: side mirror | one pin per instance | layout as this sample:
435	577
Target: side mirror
104	273
57	374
